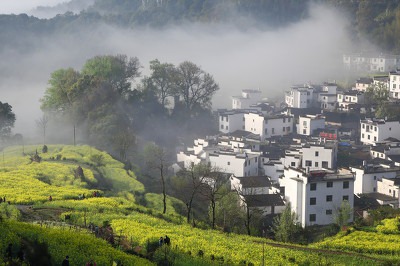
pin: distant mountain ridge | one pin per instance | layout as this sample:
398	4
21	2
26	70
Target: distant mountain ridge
378	21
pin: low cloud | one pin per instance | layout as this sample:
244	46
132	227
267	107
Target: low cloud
271	60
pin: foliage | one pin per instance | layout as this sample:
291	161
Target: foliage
285	225
343	214
7	120
389	226
78	245
9	212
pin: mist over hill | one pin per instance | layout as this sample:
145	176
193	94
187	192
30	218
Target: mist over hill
243	44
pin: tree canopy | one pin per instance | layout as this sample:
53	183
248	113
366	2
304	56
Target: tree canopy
7	120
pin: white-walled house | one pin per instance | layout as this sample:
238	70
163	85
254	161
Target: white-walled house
266	204
362	84
268	126
230	121
237	164
251	185
367	176
300	96
377	130
394	84
371	63
309	123
349	98
391	189
319	156
248	98
316	195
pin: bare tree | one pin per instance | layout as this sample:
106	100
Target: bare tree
192	183
42	125
251	213
156	158
216	189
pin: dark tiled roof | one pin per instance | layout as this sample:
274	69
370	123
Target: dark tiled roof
394	158
264	200
379	196
254	181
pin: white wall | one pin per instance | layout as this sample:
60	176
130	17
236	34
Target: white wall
366	182
372	132
317	156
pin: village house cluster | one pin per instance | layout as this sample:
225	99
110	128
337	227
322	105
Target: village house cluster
291	155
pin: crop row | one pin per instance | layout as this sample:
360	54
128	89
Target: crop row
79	246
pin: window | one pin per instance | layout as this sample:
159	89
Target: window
227	119
273	130
256	157
362	135
328	198
229	163
346	198
304	131
283	129
222	126
328	212
345	184
363	125
324	164
329	184
374	177
226	127
266	131
316	164
305	123
313	186
313	201
308	163
289	118
390	129
375	138
293	164
288	129
313	217
222	118
284	120
317	153
368	137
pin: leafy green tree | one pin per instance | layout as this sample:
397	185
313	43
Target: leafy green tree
376	96
119	71
285	225
7	120
343	214
195	87
163	80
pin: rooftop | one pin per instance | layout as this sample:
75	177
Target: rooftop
254	181
264	200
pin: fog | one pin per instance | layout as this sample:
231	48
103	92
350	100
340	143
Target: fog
24	6
271	60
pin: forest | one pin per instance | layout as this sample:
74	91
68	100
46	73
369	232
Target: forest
377	21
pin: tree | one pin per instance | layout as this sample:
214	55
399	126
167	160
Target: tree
195	86
119	71
192	181
251	214
377	96
61	95
215	190
285	225
343	214
163	80
7	120
42	125
156	158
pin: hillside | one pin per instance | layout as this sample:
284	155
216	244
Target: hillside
60	226
377	21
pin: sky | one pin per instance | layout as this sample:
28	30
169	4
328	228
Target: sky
24	6
270	60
